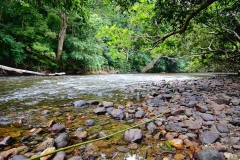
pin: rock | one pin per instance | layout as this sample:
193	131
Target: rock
45	112
222	128
179	156
93	102
122	149
133	135
106	104
22	149
6	141
197	124
5	154
207	117
216	107
75	158
19	157
60	156
82	135
102	134
139	114
45	144
191	136
176	143
210	154
133	146
221	101
79	130
157	101
151	127
89	122
61	141
99	110
58	127
117	114
191	103
80	103
236	147
178	111
48	150
175	127
201	108
208	137
235	102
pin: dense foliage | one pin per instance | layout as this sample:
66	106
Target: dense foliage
77	36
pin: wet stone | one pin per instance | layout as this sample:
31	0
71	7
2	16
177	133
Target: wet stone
45	144
19	157
61	141
157	101
133	135
222	128
235	102
48	150
175	127
58	127
60	156
139	114
208	137
6	141
82	135
151	127
80	103
117	114
106	104
99	110
210	154
122	149
207	117
75	158
89	122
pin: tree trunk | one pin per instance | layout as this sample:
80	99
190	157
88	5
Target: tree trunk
62	34
151	64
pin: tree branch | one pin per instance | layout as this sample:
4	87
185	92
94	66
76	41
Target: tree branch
187	21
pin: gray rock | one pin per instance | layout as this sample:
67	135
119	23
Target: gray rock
45	112
207	117
58	127
75	158
221	101
6	141
61	141
133	135
157	101
79	130
175	127
19	157
122	149
99	110
89	122
208	137
60	156
191	103
106	104
235	102
222	128
139	114
117	114
201	108
151	127
210	154
80	103
46	144
197	124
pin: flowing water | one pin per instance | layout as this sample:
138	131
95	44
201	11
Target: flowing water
23	99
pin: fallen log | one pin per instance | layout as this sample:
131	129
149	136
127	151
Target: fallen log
21	71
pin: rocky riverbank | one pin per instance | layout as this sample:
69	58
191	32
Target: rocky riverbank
200	121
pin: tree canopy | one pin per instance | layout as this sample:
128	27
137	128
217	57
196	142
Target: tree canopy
78	36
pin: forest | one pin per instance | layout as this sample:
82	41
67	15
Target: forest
89	36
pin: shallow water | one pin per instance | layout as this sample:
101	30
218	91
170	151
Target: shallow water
33	90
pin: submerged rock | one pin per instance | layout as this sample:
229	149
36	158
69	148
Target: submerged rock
61	141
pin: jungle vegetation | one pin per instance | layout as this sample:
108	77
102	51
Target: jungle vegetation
78	36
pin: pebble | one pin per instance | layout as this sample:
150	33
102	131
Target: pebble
208	137
133	135
210	154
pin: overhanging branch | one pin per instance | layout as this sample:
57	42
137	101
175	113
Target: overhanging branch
187	21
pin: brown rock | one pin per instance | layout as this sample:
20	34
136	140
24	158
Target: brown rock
48	150
45	144
179	156
176	143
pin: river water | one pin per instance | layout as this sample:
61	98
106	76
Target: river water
34	90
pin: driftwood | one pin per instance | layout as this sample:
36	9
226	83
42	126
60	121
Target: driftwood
21	71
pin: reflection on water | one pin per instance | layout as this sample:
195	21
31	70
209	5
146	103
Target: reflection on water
32	90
